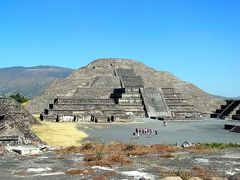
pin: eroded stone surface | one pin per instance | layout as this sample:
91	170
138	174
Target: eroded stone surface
143	88
15	123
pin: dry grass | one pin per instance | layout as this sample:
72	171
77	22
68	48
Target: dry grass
200	149
167	155
115	154
59	134
106	160
25	104
124	149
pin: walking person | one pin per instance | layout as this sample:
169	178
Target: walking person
137	130
165	123
134	134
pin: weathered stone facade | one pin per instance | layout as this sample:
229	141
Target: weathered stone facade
112	89
15	123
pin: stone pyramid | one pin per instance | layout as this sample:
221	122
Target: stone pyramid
112	89
15	123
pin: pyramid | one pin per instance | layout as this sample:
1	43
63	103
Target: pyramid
15	123
113	89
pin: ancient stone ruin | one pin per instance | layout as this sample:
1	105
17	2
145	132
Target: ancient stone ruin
15	123
230	110
116	89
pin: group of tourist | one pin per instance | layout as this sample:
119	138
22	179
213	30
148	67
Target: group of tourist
144	131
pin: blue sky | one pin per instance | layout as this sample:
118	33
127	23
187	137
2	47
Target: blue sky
198	41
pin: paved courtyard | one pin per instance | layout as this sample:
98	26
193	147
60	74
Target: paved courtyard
204	131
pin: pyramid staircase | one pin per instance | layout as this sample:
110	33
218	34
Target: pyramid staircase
122	103
178	105
237	115
227	109
129	101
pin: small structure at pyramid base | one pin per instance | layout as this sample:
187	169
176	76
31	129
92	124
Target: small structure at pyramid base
230	110
15	123
111	90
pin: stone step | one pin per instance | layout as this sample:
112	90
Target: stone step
184	111
131	95
2	116
125	95
130	102
236	117
215	115
132	108
176	101
80	112
224	106
219	110
43	116
82	106
86	117
131	90
181	107
83	101
229	102
167	90
172	96
185	114
132	82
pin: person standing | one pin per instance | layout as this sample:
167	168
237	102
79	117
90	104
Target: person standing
165	123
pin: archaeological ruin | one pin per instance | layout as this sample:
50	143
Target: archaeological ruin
15	123
229	110
109	90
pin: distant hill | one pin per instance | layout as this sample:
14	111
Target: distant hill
220	97
223	97
29	81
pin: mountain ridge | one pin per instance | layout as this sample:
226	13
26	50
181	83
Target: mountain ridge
29	81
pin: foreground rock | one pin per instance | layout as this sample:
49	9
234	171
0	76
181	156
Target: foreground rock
161	165
24	150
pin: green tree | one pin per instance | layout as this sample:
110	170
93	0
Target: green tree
19	98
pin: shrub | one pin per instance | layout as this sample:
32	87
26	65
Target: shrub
19	98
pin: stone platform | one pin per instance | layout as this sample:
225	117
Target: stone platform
122	88
230	110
